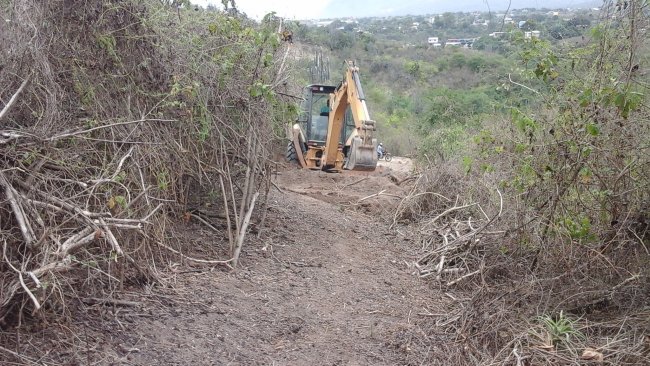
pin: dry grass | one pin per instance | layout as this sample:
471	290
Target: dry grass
498	310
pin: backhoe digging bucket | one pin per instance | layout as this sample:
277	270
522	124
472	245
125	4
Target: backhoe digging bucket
362	157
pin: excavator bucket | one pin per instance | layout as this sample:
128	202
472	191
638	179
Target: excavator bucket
362	156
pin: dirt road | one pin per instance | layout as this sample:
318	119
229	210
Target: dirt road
325	284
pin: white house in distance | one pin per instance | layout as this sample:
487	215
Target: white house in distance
434	42
530	35
498	34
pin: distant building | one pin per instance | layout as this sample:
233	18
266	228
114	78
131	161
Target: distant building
497	34
460	42
531	35
434	42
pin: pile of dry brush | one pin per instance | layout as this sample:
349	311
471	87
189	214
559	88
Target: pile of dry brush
545	257
118	118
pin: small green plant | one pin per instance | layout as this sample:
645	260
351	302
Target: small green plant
121	177
560	329
163	180
578	227
108	43
260	90
84	90
467	164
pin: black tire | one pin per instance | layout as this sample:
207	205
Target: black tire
292	156
388	157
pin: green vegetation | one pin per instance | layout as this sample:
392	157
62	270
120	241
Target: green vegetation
560	330
441	95
555	128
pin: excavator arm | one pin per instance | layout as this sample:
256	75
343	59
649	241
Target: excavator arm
362	151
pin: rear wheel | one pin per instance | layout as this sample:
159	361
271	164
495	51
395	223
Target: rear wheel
292	156
388	157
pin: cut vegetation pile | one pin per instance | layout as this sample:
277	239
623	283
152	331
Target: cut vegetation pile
117	119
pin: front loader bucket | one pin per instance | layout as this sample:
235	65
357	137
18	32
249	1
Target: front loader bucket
362	157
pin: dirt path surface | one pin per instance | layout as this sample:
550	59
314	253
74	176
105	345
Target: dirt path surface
325	284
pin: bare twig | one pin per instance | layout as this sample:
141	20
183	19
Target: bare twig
226	262
451	283
242	230
355	182
444	213
97	301
29	293
522	85
372	195
205	222
111	238
14	97
19	213
75	133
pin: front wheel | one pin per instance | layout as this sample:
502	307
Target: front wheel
388	157
292	155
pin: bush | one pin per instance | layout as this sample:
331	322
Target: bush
135	112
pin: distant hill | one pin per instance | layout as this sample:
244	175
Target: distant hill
368	8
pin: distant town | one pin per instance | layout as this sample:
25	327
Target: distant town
464	29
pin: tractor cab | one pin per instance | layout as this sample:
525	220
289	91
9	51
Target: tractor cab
314	115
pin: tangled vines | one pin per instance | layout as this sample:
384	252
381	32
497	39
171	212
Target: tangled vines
118	119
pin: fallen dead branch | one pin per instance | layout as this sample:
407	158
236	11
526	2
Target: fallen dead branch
37	305
380	193
203	261
18	211
355	182
118	302
451	238
13	99
451	283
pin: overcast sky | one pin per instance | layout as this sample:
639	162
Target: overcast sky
313	9
298	9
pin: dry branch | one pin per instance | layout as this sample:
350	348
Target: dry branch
455	208
116	124
355	182
451	283
13	99
79	155
226	262
76	241
97	301
242	230
19	213
37	305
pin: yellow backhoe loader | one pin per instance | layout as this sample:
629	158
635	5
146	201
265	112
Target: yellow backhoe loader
334	130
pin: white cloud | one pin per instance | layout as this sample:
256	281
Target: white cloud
293	9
